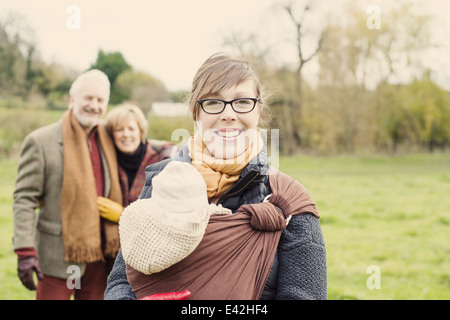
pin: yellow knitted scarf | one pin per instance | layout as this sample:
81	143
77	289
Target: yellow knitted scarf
220	174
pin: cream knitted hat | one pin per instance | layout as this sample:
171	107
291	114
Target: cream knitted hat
158	232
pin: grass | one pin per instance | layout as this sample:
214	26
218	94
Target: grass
10	285
389	212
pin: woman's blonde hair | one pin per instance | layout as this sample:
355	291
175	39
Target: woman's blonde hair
123	113
222	71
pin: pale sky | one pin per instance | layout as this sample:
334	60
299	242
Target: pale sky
170	39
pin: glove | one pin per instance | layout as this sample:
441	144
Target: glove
25	268
109	209
183	295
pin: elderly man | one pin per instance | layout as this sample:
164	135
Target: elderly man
64	167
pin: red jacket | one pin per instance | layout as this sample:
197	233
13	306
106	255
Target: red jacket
153	154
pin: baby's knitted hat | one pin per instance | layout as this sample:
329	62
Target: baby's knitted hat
158	232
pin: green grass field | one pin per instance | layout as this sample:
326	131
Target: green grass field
388	212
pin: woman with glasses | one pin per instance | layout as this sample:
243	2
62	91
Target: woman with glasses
228	106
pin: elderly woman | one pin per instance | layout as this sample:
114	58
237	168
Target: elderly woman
245	255
127	126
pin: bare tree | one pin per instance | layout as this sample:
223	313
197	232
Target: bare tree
288	108
17	49
292	116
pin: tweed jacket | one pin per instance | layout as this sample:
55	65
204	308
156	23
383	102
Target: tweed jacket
38	187
299	269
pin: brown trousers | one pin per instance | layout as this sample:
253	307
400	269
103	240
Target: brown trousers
92	285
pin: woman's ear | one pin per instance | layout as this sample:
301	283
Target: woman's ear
259	108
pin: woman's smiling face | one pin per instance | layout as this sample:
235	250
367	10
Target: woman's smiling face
229	134
127	136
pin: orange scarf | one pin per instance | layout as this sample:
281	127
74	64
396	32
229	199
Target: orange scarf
219	174
79	212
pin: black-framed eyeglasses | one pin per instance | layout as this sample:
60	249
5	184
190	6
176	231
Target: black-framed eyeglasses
216	106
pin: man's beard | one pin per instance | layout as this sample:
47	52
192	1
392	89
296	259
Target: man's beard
86	123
